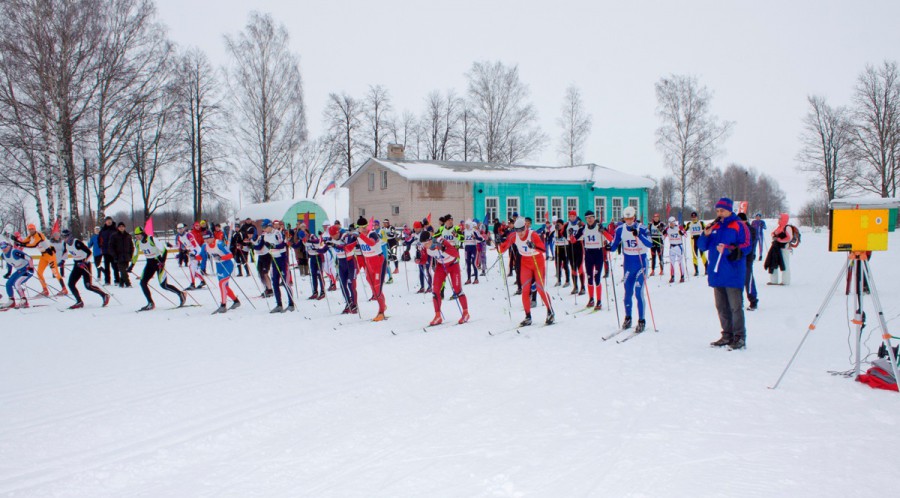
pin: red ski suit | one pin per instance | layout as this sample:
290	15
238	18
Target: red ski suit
532	265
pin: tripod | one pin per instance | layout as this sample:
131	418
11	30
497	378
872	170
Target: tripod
855	271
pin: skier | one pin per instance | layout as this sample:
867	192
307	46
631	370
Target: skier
344	243
481	249
38	240
695	228
315	250
574	229
236	245
634	240
272	244
224	264
21	269
371	246
593	238
423	262
531	248
81	269
728	241
390	236
562	252
759	228
59	250
187	242
446	265
263	260
675	235
656	250
471	239
154	265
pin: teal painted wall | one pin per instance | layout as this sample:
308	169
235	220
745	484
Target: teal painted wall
528	192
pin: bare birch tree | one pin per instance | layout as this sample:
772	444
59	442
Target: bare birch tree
315	166
690	135
439	125
200	116
876	142
377	105
576	126
826	152
505	122
268	114
342	117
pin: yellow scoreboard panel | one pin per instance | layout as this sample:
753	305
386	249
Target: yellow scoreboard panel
855	230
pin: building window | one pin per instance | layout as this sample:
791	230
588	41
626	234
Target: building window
540	209
556	207
395	210
492	208
616	209
383	180
512	206
635	203
372	181
362	211
572	205
600	208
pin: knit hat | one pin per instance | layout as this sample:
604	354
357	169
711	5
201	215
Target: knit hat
520	223
417	224
573	213
588	213
725	203
362	221
629	212
334	230
121	224
208	235
672	219
266	223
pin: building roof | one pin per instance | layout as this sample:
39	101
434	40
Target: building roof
274	210
458	171
868	202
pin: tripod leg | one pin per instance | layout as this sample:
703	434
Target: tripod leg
812	326
885	335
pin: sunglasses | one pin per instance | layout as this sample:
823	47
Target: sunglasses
520	229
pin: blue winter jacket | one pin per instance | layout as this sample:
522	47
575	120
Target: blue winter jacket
736	236
94	245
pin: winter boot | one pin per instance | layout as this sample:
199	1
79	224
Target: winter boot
642	324
220	309
737	343
526	322
235	305
149	307
551	317
277	309
290	307
465	317
627	323
723	341
754	305
77	306
436	321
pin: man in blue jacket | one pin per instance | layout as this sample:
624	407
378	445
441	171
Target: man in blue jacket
728	240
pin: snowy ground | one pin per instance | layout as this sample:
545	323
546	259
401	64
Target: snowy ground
107	402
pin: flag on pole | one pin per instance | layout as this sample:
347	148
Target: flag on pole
55	226
148	227
428	218
668	210
328	188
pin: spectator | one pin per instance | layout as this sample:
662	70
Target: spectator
759	228
96	250
121	248
727	240
749	280
106	233
778	261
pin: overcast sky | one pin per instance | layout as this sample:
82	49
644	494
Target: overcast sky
760	58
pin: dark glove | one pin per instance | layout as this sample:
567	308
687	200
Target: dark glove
130	267
633	231
269	245
529	244
734	255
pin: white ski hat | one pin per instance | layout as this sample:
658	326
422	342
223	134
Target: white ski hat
672	219
629	212
520	222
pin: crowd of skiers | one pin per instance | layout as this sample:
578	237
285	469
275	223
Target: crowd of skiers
337	256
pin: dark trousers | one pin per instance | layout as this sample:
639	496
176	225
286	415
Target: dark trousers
122	272
98	262
82	270
153	268
562	262
750	282
730	305
110	269
279	279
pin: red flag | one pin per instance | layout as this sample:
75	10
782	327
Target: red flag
369	226
668	210
428	218
148	227
55	226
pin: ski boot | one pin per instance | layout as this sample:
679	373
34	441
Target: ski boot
149	307
106	298
202	284
421	290
518	292
354	310
290	307
753	306
346	310
77	306
696	271
672	279
551	317
476	281
220	309
62	292
436	321
321	296
182	298
191	287
652	272
590	303
45	293
526	322
277	309
627	323
332	288
315	295
464	318
582	291
22	304
681	280
640	326
574	290
598	307
8	305
567	284
379	317
557	284
723	341
468	281
235	305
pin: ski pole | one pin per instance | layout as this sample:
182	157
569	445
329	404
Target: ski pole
182	287
505	282
643	276
284	282
160	290
612	276
40	294
322	280
541	282
234	280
